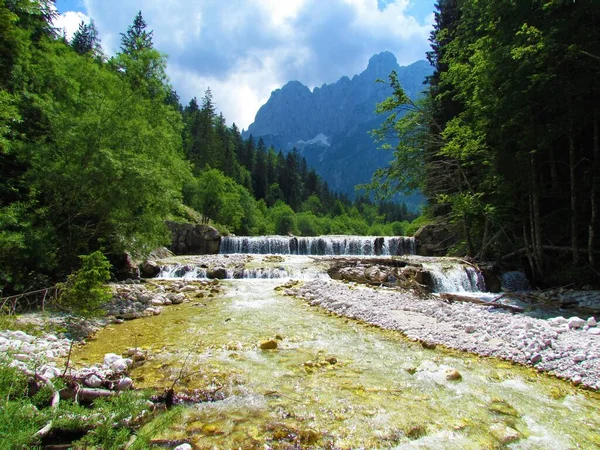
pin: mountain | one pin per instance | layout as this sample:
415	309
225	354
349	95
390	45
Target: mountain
330	125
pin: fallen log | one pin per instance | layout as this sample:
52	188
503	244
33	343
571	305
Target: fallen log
477	301
86	394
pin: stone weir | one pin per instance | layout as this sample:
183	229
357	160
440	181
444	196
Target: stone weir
320	245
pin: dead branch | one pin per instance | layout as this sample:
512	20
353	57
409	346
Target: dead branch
463	298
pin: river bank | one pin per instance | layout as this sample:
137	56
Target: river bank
568	348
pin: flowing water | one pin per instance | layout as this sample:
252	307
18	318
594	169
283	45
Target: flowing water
337	383
320	245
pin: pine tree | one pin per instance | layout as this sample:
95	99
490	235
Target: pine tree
85	39
136	38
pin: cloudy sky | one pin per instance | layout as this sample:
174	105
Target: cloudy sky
244	49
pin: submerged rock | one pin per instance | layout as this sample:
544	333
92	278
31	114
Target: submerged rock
268	345
453	375
504	434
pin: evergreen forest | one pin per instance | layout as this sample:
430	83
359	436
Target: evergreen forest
97	152
505	145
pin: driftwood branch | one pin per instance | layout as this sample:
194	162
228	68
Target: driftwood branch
43	432
463	298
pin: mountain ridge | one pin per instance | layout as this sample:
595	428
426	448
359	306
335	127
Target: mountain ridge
329	125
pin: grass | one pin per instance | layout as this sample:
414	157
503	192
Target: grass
108	423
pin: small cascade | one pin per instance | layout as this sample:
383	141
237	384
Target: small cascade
320	245
455	277
265	273
514	281
191	272
185	272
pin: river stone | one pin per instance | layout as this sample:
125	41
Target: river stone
124	384
268	345
591	322
93	381
505	435
150	269
576	322
177	299
453	375
119	366
110	358
22	336
217	273
183	447
376	274
157	301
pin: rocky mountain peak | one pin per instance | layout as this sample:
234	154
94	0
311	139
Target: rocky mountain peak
330	125
382	64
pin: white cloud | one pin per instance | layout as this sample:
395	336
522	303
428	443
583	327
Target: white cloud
243	49
69	22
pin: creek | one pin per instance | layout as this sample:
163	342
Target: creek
333	382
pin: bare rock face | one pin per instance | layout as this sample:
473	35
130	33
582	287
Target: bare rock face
433	240
190	239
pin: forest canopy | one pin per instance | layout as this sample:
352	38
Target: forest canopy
507	136
97	152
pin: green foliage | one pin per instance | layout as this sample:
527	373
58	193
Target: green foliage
18	418
283	218
85	291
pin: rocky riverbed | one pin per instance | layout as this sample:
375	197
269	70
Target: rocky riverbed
568	348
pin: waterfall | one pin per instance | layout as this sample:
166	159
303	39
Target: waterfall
455	277
320	245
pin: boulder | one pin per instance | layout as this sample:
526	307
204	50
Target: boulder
190	239
491	278
376	274
150	269
434	239
125	267
217	272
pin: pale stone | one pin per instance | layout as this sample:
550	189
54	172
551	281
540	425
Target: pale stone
536	358
109	358
576	322
124	384
183	447
22	336
591	322
119	366
93	381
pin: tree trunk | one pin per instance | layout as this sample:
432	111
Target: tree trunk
594	198
574	218
554	172
573	185
538	241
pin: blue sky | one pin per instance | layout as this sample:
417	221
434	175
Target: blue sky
244	49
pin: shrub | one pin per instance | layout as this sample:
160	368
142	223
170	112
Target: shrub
85	291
